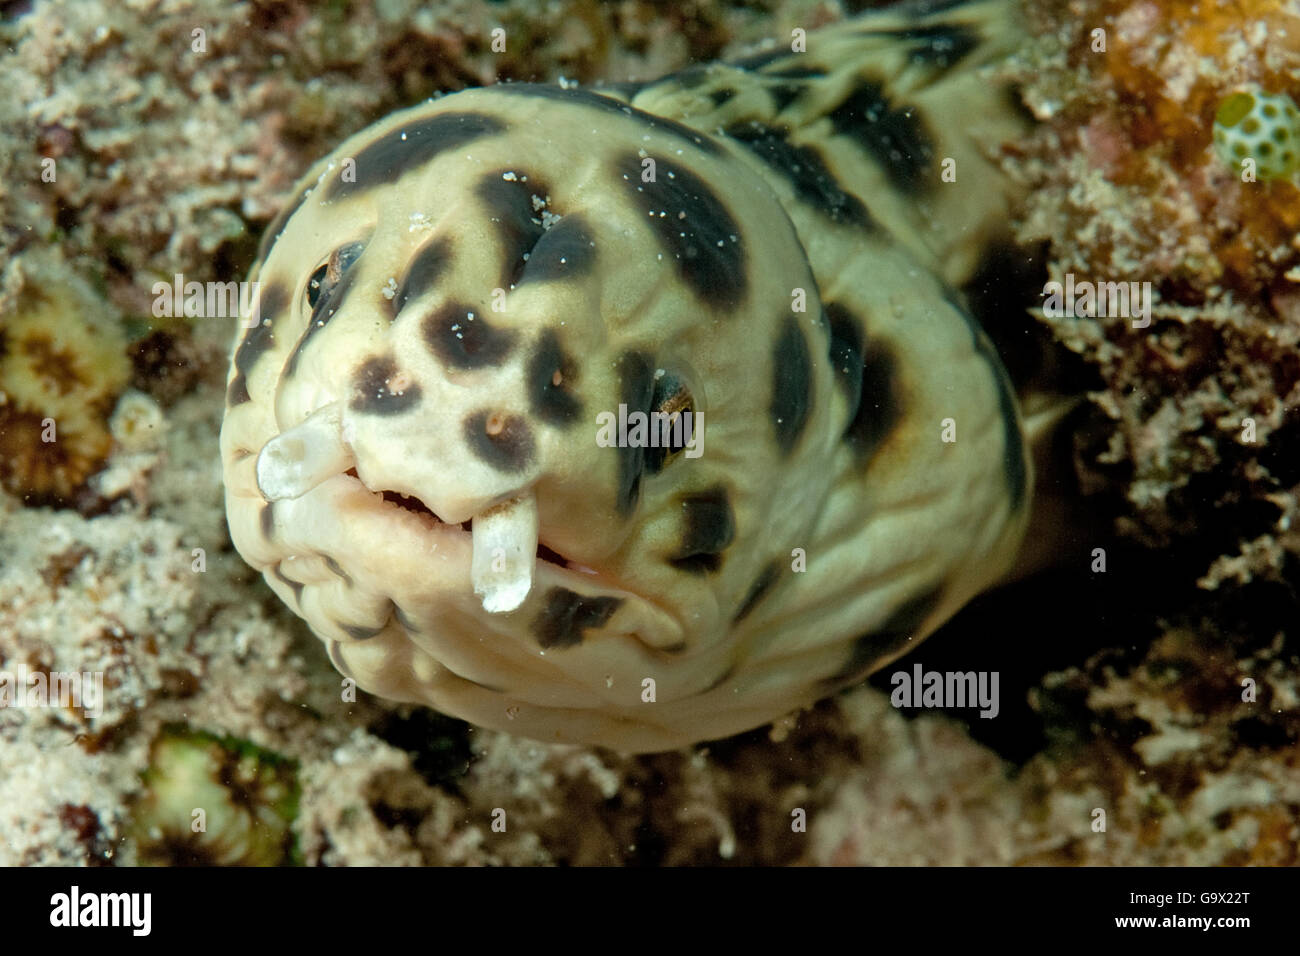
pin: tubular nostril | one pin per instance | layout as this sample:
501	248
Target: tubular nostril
296	461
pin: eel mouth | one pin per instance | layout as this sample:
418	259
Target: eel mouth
505	547
414	505
542	553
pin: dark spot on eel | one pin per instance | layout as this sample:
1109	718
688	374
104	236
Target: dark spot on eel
759	590
409	146
791	386
694	228
503	441
569	615
846	353
509	203
708	528
422	274
896	138
464	340
565	251
880	407
941	45
805	170
377	388
551	376
272	299
636	391
884	641
783	94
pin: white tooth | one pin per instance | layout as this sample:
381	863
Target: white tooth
294	462
505	552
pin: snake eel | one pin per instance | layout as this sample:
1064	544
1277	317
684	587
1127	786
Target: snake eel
453	440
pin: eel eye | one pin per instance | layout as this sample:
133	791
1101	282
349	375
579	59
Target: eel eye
314	285
672	420
330	272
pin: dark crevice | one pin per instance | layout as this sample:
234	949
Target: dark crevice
409	503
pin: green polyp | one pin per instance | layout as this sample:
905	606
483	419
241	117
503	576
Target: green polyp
1234	109
1258	126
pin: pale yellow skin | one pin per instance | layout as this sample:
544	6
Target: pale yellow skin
898	542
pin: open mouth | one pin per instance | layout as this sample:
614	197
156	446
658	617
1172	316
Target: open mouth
416	506
505	552
500	568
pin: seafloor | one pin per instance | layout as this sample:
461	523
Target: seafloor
1125	691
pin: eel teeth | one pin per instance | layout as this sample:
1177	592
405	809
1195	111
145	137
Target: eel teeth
296	461
505	553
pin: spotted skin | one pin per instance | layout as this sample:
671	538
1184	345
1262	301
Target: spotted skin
636	393
803	166
885	640
552	382
509	204
256	342
695	230
463	340
422	275
767	579
384	160
376	390
895	137
708	529
503	441
475	290
792	397
567	617
565	252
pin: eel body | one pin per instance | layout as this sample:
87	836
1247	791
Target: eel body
644	415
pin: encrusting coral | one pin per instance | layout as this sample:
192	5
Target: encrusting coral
215	801
1262	127
62	366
